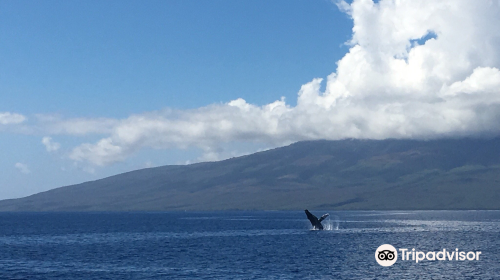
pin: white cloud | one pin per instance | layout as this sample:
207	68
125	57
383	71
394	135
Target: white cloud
22	167
55	124
102	153
391	84
11	118
50	145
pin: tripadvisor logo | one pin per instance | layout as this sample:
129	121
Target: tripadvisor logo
387	255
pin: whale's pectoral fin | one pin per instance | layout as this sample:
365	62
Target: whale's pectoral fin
312	218
323	217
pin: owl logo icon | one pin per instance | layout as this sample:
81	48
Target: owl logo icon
386	255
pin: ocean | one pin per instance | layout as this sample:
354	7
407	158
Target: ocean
245	245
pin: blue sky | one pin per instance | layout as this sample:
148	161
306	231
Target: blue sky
89	89
115	58
111	59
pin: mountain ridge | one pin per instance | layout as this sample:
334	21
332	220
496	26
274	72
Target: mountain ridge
354	174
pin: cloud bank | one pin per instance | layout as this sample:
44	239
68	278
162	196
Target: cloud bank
11	118
415	69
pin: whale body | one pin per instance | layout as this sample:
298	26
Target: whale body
315	222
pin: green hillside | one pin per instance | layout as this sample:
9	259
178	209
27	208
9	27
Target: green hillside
345	174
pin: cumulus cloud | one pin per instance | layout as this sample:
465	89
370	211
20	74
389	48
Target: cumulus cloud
50	145
11	118
22	167
415	69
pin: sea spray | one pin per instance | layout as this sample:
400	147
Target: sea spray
331	223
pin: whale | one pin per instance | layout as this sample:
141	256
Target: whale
315	222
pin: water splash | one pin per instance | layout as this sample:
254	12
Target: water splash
331	223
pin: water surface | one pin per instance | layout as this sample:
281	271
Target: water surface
243	245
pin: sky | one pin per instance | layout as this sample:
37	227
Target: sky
90	89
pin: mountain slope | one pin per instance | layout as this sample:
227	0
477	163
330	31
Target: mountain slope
345	174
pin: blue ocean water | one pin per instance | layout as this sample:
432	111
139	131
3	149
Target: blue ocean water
243	245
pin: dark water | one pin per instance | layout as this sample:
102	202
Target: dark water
243	245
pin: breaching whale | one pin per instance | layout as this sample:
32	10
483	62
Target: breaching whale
315	222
